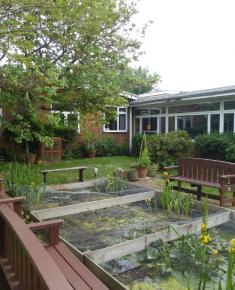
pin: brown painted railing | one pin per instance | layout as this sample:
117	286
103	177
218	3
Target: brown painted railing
23	259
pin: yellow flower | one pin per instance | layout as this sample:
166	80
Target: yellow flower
205	239
232	250
203	226
165	174
233	243
215	252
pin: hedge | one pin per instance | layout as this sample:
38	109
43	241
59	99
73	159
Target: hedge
165	148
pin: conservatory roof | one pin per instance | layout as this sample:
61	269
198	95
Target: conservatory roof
169	97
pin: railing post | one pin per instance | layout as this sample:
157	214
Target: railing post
54	235
1	183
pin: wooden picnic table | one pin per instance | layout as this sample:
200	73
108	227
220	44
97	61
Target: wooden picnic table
79	168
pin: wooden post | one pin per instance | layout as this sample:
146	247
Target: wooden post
1	183
45	177
80	175
54	235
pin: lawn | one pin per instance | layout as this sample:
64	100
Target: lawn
105	165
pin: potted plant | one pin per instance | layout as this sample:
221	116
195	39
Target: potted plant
120	173
91	150
152	170
132	174
144	159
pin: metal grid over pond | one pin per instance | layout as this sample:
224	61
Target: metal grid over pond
175	265
98	229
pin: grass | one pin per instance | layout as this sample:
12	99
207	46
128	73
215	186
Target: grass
105	165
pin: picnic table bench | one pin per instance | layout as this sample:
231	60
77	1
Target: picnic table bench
205	172
80	169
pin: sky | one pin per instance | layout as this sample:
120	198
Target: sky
191	43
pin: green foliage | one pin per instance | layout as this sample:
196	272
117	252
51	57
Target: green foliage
167	147
113	184
20	180
68	52
174	201
139	80
144	156
214	146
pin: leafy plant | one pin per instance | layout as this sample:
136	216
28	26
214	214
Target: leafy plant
20	180
174	201
144	156
113	184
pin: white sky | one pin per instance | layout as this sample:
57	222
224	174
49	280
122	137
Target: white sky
191	43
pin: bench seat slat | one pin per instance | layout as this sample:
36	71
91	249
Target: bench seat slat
63	169
73	278
80	268
196	181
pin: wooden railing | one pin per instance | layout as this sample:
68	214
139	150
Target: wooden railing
23	259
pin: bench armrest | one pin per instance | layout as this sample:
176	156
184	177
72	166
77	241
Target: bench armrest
45	225
168	168
227	176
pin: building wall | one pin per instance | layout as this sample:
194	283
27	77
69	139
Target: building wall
95	129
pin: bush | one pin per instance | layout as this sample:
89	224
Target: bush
215	146
108	147
167	147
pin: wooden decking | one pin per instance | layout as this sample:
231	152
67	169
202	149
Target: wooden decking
28	264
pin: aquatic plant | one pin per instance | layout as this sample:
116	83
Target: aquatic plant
112	184
22	180
174	201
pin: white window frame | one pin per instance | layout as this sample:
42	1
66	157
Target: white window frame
66	113
107	130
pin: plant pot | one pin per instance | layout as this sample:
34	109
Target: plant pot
133	175
91	154
122	174
143	172
30	158
152	172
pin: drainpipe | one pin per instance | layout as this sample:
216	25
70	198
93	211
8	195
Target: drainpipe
130	129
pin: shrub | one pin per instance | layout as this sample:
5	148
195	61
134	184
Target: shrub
136	144
167	147
108	147
215	146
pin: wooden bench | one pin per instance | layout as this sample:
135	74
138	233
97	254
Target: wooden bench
75	272
80	169
204	172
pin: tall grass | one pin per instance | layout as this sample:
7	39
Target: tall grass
22	180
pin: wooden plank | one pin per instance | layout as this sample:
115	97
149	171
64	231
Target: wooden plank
47	271
63	169
171	233
79	267
74	279
45	225
92	205
100	273
103	275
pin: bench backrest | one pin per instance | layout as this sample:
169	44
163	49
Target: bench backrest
204	169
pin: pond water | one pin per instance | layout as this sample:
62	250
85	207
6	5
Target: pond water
170	269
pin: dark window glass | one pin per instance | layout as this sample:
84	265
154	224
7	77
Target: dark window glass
137	126
72	121
215	123
163	124
228	122
149	124
112	125
122	122
195	108
171	124
229	105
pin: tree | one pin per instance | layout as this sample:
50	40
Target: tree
140	80
70	52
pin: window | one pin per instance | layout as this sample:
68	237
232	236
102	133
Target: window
228	123
120	124
71	119
150	124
